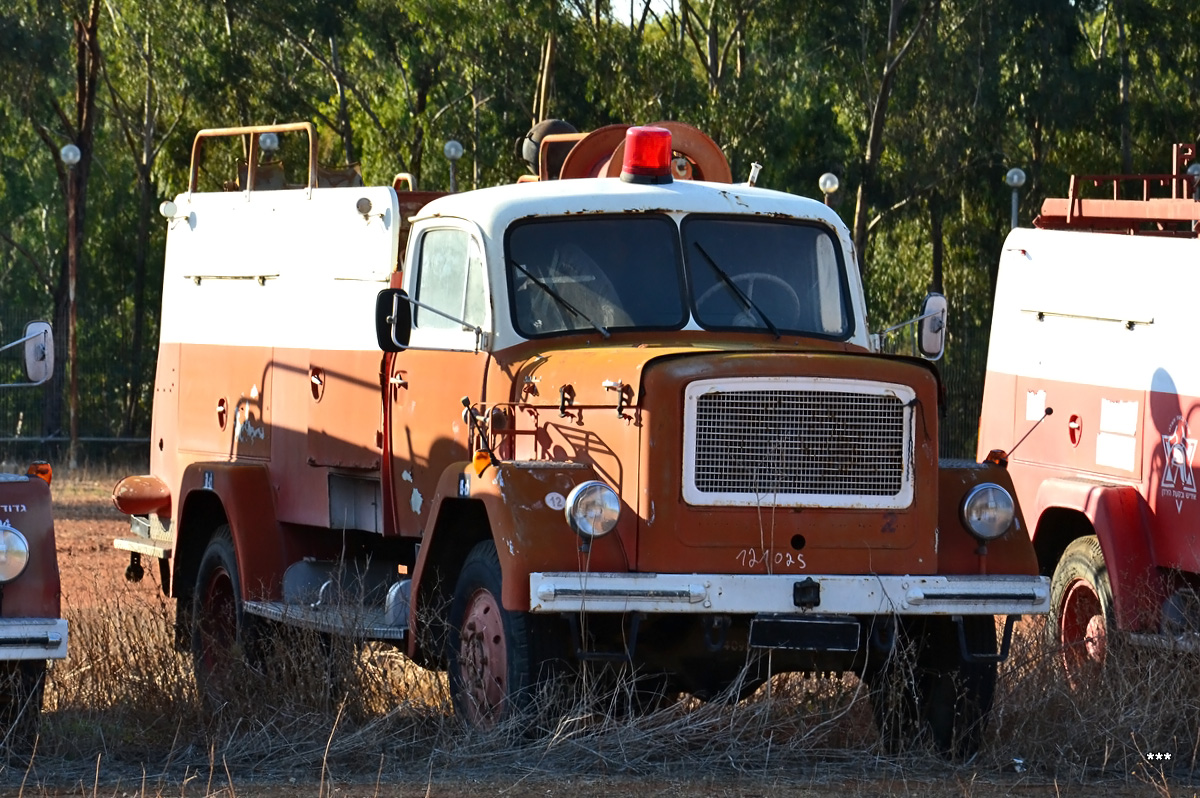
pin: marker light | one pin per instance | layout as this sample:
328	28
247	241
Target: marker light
647	156
40	469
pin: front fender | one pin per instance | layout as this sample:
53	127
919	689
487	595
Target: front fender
524	503
959	552
37	592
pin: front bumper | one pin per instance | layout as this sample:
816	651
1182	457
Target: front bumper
702	594
33	638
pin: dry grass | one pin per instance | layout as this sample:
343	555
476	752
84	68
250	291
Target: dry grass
1147	702
127	699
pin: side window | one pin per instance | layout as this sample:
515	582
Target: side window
449	278
828	294
475	307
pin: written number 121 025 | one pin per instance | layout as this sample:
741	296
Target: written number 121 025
753	558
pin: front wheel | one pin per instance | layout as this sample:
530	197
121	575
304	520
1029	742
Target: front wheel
927	691
1081	612
491	667
22	684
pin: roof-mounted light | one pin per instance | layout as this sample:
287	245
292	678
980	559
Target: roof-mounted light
647	155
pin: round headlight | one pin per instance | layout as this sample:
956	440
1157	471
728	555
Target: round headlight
14	553
988	510
592	509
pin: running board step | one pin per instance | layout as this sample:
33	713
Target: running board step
1184	644
344	621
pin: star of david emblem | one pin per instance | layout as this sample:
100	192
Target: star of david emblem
1179	451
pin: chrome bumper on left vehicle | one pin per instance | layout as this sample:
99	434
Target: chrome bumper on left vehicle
33	638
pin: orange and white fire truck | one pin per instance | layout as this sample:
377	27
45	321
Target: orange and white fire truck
32	630
1089	359
629	413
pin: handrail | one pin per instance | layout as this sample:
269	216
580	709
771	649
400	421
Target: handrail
254	131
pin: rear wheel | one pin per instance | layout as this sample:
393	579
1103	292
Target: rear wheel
491	667
1081	608
224	639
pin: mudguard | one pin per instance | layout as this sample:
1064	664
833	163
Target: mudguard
524	504
1118	515
959	552
240	494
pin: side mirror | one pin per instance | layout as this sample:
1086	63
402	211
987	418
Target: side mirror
931	327
39	352
393	319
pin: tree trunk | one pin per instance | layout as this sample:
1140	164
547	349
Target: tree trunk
147	193
936	240
541	103
345	128
87	70
1126	133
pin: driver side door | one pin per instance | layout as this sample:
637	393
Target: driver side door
446	361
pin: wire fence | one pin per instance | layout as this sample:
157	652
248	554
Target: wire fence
35	420
962	369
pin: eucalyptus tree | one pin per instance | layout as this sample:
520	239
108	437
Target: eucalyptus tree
146	98
52	56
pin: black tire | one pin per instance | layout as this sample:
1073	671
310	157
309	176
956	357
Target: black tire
22	686
926	693
492	671
1081	612
224	639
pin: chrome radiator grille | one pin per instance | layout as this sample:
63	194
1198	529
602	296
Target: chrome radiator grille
797	442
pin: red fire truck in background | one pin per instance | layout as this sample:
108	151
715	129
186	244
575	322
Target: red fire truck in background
1091	344
32	630
628	413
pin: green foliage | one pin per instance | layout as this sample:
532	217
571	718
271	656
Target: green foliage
1054	86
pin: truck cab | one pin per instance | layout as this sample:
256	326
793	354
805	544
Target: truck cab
623	417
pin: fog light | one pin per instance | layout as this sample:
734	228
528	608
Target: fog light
988	511
592	509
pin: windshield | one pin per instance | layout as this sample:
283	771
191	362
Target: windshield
642	271
788	275
595	272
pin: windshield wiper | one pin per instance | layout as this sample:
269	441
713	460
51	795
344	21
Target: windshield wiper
600	328
747	301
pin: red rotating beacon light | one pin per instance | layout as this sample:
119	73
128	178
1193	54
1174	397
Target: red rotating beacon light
647	156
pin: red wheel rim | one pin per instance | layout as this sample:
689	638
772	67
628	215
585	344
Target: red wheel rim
218	622
483	660
1082	633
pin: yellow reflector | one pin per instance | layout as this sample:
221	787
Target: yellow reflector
481	462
